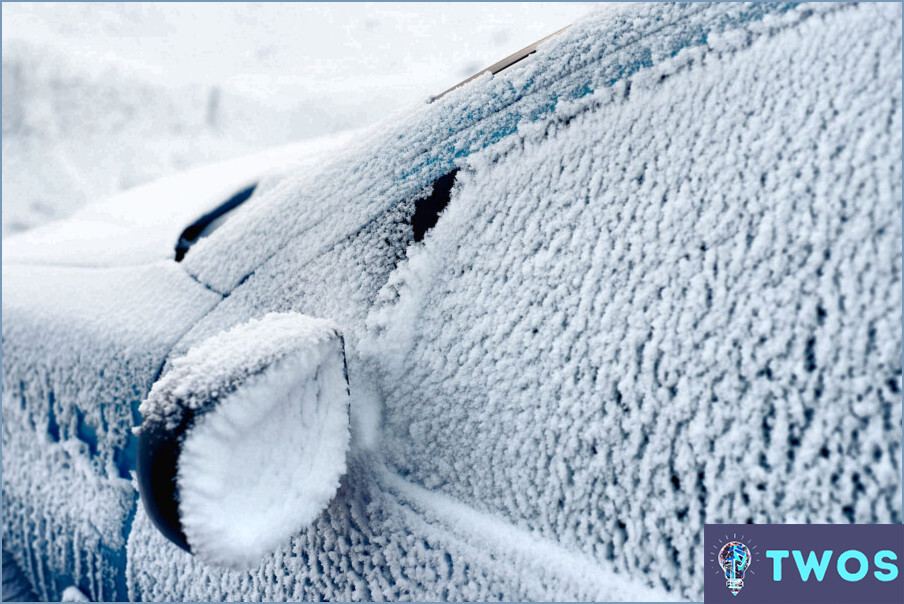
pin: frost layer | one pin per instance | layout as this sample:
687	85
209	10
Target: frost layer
680	306
81	348
670	301
217	367
679	230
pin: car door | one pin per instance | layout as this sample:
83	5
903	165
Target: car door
588	354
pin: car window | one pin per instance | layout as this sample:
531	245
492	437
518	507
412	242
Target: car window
428	209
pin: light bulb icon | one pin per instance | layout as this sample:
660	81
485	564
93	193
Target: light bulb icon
734	558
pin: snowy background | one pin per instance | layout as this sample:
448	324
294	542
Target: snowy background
102	97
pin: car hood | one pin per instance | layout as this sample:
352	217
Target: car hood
142	224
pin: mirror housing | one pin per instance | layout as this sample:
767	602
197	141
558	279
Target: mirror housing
244	440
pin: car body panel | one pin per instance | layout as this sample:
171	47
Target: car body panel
89	342
142	224
521	426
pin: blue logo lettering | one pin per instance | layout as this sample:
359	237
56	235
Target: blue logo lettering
842	565
818	568
777	556
879	561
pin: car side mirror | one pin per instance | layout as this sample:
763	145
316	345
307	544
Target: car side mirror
244	439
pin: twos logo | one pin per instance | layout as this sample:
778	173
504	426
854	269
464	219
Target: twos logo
883	560
734	559
803	563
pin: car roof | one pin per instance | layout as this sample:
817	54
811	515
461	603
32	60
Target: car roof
400	157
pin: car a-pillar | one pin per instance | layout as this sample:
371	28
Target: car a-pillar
244	439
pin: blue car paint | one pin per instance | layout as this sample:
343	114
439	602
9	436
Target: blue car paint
477	128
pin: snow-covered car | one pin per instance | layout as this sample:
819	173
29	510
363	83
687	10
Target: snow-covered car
521	342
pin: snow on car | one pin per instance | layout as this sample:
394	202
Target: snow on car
518	343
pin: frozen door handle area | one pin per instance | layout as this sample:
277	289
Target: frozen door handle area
244	440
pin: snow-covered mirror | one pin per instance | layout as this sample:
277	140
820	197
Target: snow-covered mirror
244	440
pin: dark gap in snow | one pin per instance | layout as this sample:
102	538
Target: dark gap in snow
701	489
427	210
811	355
53	428
207	223
871	338
85	432
16	587
125	458
848	512
808	416
622	533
